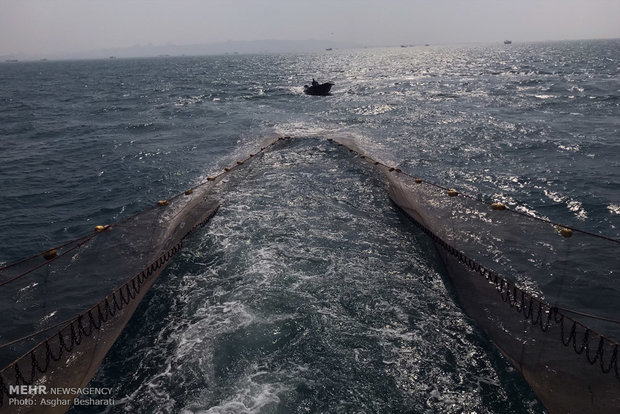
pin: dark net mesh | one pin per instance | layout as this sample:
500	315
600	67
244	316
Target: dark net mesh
49	296
545	294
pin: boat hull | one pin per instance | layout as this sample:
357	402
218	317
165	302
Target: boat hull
318	90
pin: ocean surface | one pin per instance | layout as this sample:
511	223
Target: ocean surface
309	291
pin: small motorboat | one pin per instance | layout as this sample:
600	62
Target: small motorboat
319	89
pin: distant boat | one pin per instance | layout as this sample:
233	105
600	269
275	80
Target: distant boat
318	89
329	48
507	42
11	61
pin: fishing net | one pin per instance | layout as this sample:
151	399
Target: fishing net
520	278
44	296
524	281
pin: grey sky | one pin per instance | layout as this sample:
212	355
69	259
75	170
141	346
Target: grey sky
51	26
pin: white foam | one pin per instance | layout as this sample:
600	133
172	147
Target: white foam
572	148
249	400
373	109
573	205
259	389
613	209
297	129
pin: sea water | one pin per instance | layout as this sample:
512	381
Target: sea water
308	291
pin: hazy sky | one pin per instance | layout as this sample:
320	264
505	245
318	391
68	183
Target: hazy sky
51	26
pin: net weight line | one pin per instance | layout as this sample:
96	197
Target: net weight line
68	338
544	315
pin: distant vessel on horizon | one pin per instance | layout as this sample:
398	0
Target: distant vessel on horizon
507	42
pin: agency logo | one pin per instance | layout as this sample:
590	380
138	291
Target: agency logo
40	395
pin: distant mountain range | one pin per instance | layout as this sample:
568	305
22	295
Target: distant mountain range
242	47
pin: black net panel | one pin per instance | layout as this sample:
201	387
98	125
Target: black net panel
528	284
52	335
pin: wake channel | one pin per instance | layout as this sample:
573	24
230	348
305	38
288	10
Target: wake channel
308	292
